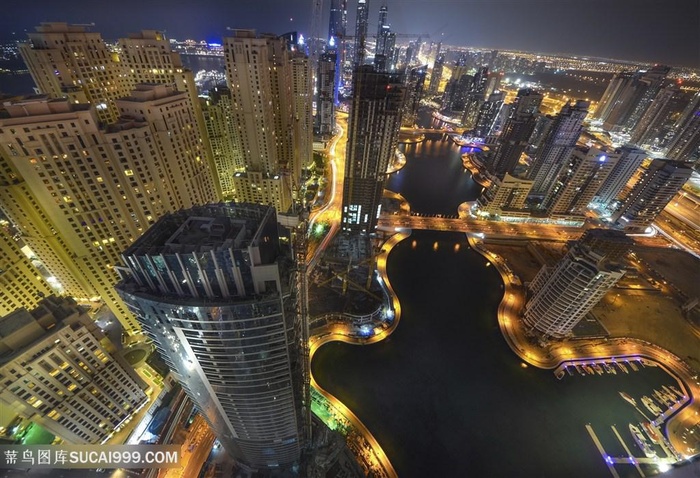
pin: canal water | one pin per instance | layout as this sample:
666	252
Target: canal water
444	395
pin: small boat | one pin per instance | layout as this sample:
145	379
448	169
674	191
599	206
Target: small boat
588	369
669	392
622	367
597	368
579	369
568	370
629	399
651	405
642	442
634	367
677	392
651	433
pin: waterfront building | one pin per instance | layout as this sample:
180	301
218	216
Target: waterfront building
79	194
557	146
659	183
217	111
21	285
361	24
271	106
211	287
516	131
69	61
474	98
580	178
60	372
562	295
685	145
373	129
415	80
629	160
436	75
506	197
487	114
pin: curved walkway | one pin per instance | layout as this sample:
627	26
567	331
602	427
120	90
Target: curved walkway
370	453
551	357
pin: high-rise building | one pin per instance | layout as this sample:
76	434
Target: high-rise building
579	180
629	160
657	121
271	106
628	96
325	108
415	81
222	132
516	131
21	285
210	287
361	24
59	373
658	185
475	98
68	61
506	197
383	51
373	129
487	114
557	146
436	75
563	295
79	194
338	20
685	145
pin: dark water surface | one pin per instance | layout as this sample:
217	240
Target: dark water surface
444	395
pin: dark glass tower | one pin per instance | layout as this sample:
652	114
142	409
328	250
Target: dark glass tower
361	31
375	119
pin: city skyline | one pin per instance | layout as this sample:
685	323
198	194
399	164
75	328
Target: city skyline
619	30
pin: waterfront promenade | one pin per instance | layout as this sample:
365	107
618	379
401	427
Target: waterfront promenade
683	418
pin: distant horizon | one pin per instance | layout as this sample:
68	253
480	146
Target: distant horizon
644	31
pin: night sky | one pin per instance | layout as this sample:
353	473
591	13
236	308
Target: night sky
663	31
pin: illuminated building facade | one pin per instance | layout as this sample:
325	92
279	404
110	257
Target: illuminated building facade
561	296
557	146
269	87
516	131
79	194
58	372
661	180
210	287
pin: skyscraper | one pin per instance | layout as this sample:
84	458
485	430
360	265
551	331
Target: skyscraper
271	106
70	61
436	74
516	131
325	108
383	50
338	20
656	188
475	98
628	96
361	24
685	145
506	197
373	129
487	114
612	245
415	81
630	159
658	119
579	180
561	296
58	372
79	194
557	146
210	287
222	132
20	282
